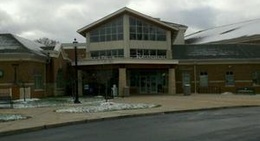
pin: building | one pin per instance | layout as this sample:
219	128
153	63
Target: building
69	49
221	59
58	68
132	51
218	68
137	54
22	67
144	55
31	70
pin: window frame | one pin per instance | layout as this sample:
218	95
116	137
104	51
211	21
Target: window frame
111	31
2	73
204	79
229	78
141	30
256	78
38	82
60	79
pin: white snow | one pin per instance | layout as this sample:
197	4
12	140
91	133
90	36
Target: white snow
227	93
232	31
31	45
26	100
105	107
11	117
88	105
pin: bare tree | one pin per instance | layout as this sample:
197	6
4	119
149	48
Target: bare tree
47	41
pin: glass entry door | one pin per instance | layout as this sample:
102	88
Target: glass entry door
148	84
185	78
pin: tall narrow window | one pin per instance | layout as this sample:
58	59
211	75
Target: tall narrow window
38	81
230	78
60	79
1	73
256	78
204	79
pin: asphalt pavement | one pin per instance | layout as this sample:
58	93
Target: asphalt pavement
239	124
46	118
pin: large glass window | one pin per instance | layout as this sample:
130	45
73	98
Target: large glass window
102	54
140	30
111	31
230	78
148	53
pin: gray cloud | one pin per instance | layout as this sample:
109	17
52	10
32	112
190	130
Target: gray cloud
199	18
60	19
5	21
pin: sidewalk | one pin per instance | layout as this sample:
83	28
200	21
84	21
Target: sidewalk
44	118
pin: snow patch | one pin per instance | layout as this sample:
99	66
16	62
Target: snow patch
105	107
88	105
11	117
226	32
227	93
26	100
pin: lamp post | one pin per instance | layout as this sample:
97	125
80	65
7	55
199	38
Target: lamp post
76	100
107	77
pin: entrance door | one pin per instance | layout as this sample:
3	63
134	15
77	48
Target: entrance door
186	80
148	84
25	92
153	84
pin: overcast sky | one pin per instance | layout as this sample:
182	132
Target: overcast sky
60	19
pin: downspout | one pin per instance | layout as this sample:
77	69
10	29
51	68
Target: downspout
195	77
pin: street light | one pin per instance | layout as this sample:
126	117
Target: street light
76	100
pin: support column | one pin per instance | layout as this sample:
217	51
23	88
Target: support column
80	83
171	82
122	81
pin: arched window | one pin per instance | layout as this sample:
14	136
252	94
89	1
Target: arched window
60	79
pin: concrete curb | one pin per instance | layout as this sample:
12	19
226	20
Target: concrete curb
43	127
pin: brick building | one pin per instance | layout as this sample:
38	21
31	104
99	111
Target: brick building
221	59
138	54
148	56
29	69
22	67
132	51
217	68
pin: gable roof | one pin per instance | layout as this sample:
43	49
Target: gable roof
216	52
124	10
227	32
10	43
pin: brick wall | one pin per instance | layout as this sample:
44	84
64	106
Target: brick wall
26	70
216	76
71	53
